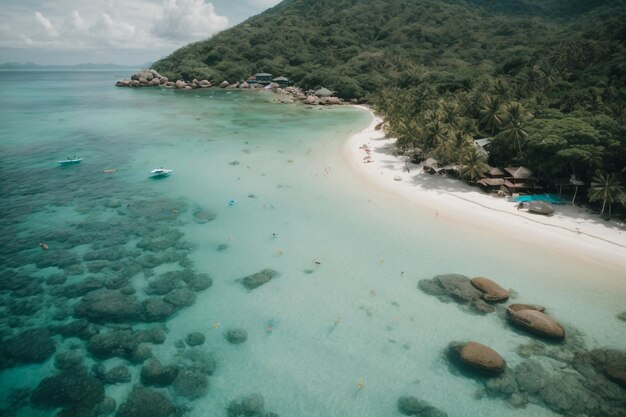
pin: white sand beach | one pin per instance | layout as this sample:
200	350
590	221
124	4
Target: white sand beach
571	230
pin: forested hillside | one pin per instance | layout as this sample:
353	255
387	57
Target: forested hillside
546	78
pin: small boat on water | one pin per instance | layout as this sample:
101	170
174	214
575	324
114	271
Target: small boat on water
160	172
70	161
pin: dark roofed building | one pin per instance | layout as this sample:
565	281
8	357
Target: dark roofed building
282	81
263	78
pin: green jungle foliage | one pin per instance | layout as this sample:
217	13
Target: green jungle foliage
544	78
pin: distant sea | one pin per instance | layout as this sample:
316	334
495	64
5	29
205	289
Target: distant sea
340	330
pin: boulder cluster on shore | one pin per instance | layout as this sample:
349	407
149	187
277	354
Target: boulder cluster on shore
151	78
556	373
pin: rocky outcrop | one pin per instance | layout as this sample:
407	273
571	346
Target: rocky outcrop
492	292
478	357
457	288
412	406
538	323
571	385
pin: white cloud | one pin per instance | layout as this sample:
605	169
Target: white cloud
188	20
46	24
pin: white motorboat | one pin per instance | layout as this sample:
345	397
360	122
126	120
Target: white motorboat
70	161
160	172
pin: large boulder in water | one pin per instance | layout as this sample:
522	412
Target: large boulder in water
491	290
145	74
30	346
518	307
538	323
412	406
458	286
478	357
144	402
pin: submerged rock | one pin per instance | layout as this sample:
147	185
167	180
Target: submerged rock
236	336
75	391
412	406
154	373
197	359
125	344
478	357
538	323
491	290
203	216
195	339
107	305
117	375
68	360
30	346
145	402
191	384
251	405
156	309
457	288
256	280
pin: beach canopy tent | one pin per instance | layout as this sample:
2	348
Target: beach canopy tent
540	207
324	92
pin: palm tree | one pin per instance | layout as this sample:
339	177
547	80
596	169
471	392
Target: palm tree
515	118
606	187
473	164
491	113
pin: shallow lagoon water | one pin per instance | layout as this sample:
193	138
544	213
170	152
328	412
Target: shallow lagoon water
344	309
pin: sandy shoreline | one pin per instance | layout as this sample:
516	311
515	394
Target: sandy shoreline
571	230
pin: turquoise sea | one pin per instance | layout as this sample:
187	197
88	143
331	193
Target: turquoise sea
340	330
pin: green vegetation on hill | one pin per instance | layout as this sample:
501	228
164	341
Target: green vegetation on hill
544	78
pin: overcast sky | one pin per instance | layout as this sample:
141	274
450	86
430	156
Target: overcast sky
127	32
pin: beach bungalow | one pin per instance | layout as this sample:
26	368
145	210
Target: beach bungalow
263	78
519	180
282	81
492	180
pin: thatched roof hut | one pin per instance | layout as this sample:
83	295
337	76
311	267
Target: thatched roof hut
519	172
